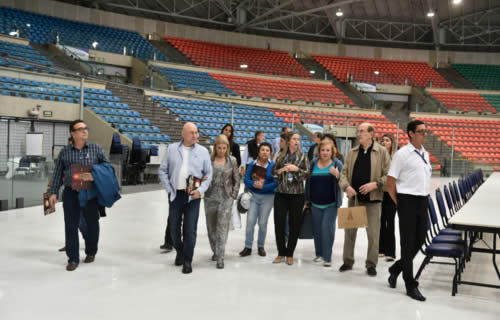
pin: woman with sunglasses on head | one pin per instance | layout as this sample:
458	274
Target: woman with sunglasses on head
290	171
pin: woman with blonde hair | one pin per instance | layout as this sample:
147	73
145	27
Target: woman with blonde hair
387	240
324	197
219	197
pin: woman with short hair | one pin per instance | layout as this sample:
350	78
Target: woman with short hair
219	197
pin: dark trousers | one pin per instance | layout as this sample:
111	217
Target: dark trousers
185	214
291	206
72	211
413	220
168	236
387	240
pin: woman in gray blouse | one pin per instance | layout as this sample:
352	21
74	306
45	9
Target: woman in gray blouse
219	197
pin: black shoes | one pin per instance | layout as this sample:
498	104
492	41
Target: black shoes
393	278
262	252
220	264
63	249
245	252
214	258
415	294
372	272
89	259
166	247
179	259
345	267
71	266
186	268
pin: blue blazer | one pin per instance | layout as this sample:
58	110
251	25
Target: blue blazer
105	187
269	184
307	193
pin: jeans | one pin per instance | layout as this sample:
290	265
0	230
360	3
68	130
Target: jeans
185	214
290	205
323	223
168	237
260	208
72	213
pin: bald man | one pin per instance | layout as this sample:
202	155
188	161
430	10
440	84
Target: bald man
183	160
363	178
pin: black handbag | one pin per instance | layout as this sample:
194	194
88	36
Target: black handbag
306	231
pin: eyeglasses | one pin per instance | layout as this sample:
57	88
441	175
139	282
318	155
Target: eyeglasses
422	132
81	129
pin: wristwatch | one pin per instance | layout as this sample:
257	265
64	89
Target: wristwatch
379	185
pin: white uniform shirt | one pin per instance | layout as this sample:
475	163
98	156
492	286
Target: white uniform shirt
184	172
411	170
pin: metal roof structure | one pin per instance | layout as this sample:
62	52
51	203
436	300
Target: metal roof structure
456	24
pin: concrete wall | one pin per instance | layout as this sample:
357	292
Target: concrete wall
159	28
101	132
50	78
19	108
451	116
7	38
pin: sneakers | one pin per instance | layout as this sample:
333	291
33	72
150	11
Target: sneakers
389	258
327	264
345	267
318	259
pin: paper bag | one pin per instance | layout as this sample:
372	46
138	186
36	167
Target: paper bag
235	218
353	217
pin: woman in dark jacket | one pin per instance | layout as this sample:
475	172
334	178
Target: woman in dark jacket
290	171
228	131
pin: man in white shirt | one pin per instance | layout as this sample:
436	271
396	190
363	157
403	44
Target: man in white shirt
408	184
184	159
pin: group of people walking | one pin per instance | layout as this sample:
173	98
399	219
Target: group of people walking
280	176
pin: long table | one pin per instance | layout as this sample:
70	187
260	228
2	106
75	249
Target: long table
481	214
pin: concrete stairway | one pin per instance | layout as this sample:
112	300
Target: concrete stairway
159	116
59	58
321	73
170	52
455	78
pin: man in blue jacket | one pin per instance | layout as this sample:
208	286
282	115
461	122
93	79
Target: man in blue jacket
184	160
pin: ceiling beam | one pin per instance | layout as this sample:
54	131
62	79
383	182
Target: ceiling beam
332	19
168	14
434	22
268	13
296	14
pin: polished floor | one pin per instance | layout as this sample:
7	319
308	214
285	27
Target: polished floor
132	279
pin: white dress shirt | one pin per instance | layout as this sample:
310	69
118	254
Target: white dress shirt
184	172
412	170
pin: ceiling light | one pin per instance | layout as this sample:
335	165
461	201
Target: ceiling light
243	66
13	33
94	44
377	72
312	72
457	1
28	25
430	14
339	13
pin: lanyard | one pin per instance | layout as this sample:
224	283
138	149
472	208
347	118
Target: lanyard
421	156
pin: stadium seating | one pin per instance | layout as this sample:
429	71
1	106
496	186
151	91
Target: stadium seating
464	102
493	99
21	52
228	57
199	81
476	140
211	116
281	89
100	101
485	77
415	73
44	29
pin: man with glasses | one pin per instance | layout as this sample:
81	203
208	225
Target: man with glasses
363	178
408	184
80	152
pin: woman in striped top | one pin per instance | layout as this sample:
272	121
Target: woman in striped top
324	196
